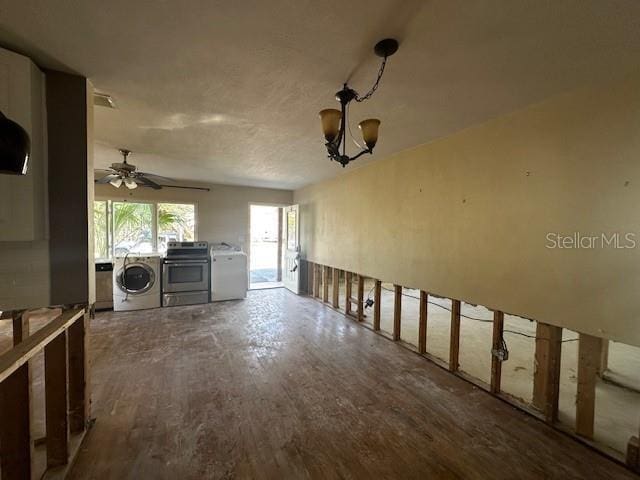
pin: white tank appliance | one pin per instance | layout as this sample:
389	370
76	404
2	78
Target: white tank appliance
185	274
229	277
136	282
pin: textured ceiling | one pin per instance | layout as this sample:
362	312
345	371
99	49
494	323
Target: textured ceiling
228	91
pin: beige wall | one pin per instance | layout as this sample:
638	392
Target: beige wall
467	216
222	213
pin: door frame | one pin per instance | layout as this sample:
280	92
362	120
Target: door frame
281	207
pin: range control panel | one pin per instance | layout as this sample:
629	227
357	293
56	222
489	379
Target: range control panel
187	249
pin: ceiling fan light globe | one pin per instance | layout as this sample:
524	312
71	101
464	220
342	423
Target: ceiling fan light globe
130	183
330	119
369	129
116	182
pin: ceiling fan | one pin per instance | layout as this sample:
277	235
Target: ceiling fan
127	174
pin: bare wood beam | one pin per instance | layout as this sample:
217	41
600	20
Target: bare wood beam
589	351
377	295
15	418
20	320
454	342
335	284
325	284
22	353
317	278
546	376
347	292
360	298
422	327
310	272
397	311
56	404
79	393
496	364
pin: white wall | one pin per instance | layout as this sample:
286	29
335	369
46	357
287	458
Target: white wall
24	243
467	216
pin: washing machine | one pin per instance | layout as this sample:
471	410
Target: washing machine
136	282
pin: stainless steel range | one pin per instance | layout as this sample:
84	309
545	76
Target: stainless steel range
186	274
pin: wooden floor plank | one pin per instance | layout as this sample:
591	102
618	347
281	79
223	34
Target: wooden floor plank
281	386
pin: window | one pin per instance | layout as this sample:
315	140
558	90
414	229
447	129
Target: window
101	232
292	234
136	227
176	223
132	228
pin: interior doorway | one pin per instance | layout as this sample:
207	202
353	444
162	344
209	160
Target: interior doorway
265	251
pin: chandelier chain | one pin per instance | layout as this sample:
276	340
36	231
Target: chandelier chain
375	85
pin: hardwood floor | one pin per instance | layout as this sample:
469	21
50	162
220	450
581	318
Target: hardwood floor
279	386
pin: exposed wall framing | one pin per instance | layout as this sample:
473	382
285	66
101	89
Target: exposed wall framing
377	295
496	363
317	280
335	284
67	403
546	378
422	327
347	292
454	344
360	299
589	352
310	280
325	284
397	311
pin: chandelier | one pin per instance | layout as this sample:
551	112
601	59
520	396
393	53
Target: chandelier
335	122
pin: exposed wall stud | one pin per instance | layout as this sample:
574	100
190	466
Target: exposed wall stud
454	343
377	295
20	321
15	418
589	352
496	364
79	387
347	292
56	401
422	327
317	278
546	376
335	285
397	311
360	298
325	284
310	271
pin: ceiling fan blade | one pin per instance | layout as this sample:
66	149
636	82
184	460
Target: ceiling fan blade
106	179
146	182
155	177
205	189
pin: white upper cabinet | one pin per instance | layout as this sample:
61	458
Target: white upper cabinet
23	199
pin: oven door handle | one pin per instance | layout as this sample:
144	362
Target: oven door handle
185	263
